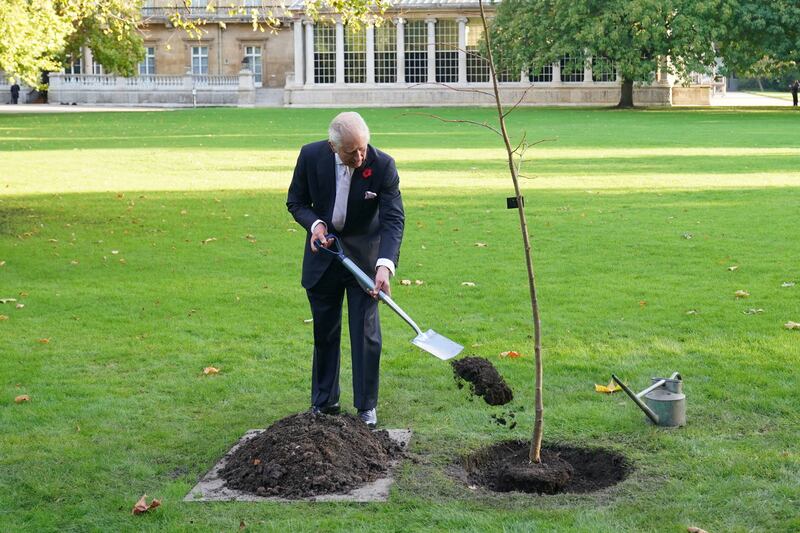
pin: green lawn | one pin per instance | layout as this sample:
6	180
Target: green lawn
636	218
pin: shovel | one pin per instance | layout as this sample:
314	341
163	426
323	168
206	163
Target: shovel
430	341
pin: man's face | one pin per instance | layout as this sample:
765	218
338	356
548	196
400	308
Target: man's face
353	150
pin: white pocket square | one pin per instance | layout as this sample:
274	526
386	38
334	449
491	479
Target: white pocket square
369	195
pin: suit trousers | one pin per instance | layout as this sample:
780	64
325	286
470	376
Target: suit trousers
326	299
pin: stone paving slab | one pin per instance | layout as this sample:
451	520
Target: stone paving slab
211	488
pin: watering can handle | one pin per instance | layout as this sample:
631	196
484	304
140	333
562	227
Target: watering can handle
649	412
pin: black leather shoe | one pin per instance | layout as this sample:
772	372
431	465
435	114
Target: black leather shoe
369	417
326	409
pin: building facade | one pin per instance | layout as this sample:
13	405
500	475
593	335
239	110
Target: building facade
422	53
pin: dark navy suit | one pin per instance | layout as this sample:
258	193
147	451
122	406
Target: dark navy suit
373	229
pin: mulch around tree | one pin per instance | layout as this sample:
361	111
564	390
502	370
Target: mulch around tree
308	455
484	380
504	467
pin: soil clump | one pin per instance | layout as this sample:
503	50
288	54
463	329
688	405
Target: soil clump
484	380
505	467
310	454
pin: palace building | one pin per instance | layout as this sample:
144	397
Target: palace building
423	53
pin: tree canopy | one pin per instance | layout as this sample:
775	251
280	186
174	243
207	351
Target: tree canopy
637	36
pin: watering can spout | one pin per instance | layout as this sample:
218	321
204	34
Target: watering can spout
649	412
664	402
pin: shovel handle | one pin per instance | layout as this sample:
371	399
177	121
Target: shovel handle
367	283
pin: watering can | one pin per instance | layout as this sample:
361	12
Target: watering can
664	401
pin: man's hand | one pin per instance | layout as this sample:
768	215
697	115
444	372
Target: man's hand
382	282
319	235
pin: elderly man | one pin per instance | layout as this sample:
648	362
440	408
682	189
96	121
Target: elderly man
345	186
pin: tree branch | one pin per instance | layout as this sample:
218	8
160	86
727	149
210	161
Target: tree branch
458	89
482	124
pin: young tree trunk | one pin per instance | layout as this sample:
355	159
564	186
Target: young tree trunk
760	86
536	441
626	94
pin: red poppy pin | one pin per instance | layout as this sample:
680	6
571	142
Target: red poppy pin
366	173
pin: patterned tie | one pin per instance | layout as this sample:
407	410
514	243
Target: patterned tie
342	191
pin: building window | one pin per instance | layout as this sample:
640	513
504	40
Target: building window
355	55
73	65
324	53
572	68
386	53
252	59
603	69
97	69
200	60
541	74
148	66
416	44
447	51
508	75
477	65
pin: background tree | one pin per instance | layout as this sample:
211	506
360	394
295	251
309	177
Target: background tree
760	38
636	36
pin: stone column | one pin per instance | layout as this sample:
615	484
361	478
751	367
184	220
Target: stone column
370	53
556	73
462	49
401	50
309	24
587	71
247	88
88	60
431	22
298	52
339	52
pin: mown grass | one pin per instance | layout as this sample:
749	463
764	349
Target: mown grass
636	218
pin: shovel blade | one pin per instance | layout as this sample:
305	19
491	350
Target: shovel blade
437	345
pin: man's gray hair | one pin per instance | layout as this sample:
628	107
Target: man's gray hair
344	125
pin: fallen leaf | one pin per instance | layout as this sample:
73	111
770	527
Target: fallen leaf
114	252
418	282
210	239
183	211
308	320
405	282
210	370
733	267
687	235
510	354
20	306
22	398
607	389
481	244
467	284
2	263
692	312
693	529
73	262
792	325
142	506
43	341
242	525
292	230
753	311
7	300
788	284
52	240
23	294
642	303
741	294
256	461
3	317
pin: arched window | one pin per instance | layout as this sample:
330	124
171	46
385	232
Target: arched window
447	51
416	51
324	53
355	55
386	53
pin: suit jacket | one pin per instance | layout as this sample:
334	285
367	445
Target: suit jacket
373	227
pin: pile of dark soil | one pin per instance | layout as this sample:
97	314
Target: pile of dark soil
307	455
485	380
505	467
